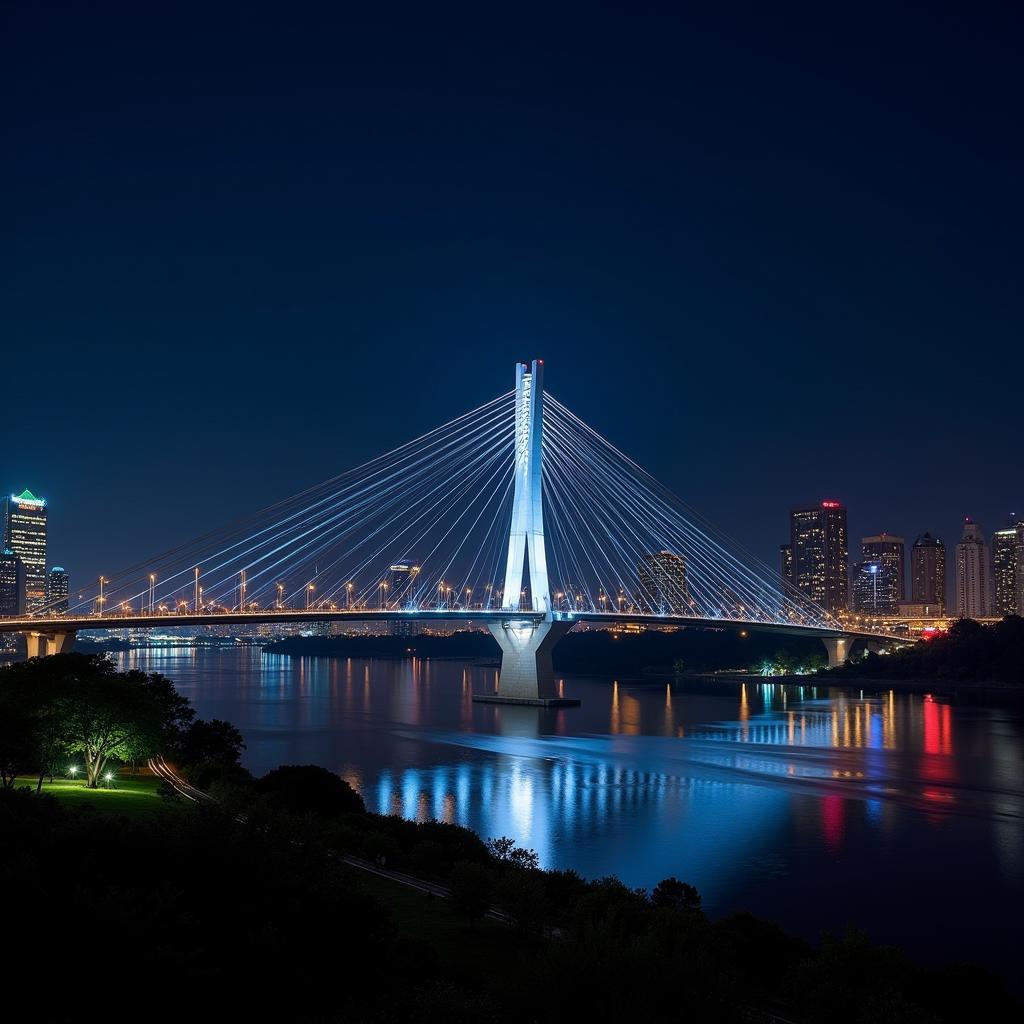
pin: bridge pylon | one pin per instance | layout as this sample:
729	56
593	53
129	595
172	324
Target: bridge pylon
39	644
526	675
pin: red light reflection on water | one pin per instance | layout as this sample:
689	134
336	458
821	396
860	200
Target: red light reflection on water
937	766
832	821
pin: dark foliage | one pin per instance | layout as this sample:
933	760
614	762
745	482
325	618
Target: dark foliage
671	894
308	789
265	922
970	652
596	652
210	752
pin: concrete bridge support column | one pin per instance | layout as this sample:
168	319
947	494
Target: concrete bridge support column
526	675
838	648
45	644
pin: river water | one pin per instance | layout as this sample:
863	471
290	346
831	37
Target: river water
815	807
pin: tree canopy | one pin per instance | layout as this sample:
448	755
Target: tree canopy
79	704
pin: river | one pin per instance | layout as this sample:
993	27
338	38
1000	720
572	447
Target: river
818	808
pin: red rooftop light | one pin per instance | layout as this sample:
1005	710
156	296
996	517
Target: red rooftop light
831	504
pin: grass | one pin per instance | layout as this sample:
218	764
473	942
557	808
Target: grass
130	796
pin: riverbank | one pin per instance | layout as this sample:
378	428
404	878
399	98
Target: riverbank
595	652
218	888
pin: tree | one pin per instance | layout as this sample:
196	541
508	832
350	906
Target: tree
501	849
521	895
80	702
17	743
107	716
472	888
309	789
214	741
671	894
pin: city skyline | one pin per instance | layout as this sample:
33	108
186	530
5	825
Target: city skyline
855	558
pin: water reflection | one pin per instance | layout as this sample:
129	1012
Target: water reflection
811	805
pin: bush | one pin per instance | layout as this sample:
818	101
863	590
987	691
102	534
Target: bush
308	789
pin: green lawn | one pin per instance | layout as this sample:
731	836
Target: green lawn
131	796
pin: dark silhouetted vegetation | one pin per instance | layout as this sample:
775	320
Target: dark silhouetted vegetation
308	789
594	652
252	909
970	652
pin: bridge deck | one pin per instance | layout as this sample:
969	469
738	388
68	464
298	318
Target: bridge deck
57	624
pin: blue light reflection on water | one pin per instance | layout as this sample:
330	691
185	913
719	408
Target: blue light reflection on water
813	807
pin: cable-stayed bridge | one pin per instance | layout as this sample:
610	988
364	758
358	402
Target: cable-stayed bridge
516	514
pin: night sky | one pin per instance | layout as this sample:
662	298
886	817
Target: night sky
772	252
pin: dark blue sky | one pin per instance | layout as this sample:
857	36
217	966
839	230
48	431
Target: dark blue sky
774	253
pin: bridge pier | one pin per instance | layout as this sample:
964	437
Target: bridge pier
44	644
838	648
526	675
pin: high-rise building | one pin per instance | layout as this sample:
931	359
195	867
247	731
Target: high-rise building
973	583
401	584
57	589
786	562
12	583
888	550
874	583
820	554
663	583
24	522
928	571
1007	555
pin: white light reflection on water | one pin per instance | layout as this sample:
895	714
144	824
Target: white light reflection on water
813	807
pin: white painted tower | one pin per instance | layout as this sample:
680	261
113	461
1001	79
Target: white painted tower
526	535
527	676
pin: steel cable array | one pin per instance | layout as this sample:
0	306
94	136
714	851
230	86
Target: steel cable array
426	527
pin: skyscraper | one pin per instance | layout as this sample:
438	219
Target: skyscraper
12	583
928	571
1007	553
401	584
786	562
888	550
57	589
663	583
973	582
875	581
820	555
24	523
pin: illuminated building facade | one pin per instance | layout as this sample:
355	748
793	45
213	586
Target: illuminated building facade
12	583
663	583
888	550
820	554
928	571
973	582
1007	571
57	589
401	593
786	561
24	522
875	583
401	584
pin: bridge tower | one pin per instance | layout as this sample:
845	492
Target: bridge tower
527	676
